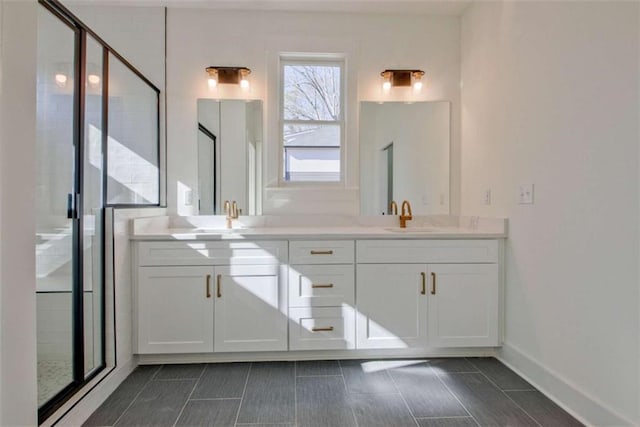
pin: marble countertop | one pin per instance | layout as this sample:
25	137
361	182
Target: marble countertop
317	228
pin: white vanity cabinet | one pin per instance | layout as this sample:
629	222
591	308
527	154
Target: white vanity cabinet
361	294
250	308
175	309
203	297
392	306
427	293
463	305
322	295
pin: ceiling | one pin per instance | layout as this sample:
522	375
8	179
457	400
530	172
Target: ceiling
427	7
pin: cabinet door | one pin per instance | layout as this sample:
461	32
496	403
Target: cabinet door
392	308
250	308
463	305
175	310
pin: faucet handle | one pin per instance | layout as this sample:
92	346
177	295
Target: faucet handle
407	205
393	208
227	207
234	210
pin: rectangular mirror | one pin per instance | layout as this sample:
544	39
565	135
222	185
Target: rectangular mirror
404	155
229	155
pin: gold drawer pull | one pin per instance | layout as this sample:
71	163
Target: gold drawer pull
433	285
424	283
208	286
328	329
323	285
218	289
322	252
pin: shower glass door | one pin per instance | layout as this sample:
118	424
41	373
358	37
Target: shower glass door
56	193
70	209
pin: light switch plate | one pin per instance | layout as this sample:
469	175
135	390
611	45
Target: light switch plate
486	199
525	194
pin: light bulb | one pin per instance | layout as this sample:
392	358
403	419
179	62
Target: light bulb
61	79
417	80
93	79
386	86
244	83
212	77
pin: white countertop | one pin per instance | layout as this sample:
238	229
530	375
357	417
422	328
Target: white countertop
317	228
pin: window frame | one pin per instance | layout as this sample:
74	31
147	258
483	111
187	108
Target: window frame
312	60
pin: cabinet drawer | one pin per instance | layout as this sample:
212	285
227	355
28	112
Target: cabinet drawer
322	252
427	251
321	285
327	328
211	253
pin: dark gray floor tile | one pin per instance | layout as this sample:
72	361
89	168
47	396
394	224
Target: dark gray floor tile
121	398
543	409
504	377
486	403
323	402
317	367
364	376
381	410
212	413
270	394
159	404
424	392
447	422
222	380
453	364
267	425
180	372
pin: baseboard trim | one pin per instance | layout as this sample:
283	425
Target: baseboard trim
153	359
586	408
96	397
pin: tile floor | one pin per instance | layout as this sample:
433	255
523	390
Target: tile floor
366	393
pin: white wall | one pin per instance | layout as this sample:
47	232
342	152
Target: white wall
550	97
372	43
1	191
17	214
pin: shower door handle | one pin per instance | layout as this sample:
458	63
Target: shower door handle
72	205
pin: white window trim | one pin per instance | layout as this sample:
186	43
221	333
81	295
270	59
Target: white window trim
312	59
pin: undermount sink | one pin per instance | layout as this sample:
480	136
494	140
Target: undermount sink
412	229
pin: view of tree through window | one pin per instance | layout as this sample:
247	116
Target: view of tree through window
312	121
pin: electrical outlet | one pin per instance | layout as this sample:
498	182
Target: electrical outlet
525	194
487	196
188	197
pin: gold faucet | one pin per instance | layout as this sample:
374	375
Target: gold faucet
406	214
393	208
231	209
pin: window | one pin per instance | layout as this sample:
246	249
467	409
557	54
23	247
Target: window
312	120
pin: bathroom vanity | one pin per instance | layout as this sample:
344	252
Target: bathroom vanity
349	287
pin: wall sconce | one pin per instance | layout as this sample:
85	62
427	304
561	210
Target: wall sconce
402	78
228	75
